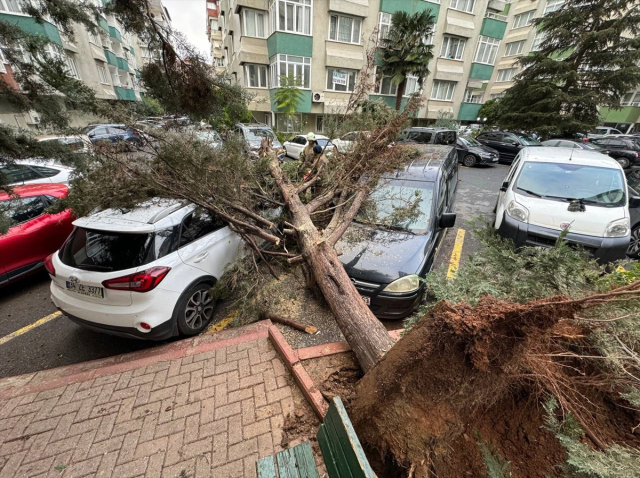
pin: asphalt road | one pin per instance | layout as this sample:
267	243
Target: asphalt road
61	342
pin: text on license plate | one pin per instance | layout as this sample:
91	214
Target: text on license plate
88	290
367	300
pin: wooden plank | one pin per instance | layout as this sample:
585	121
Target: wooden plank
305	461
287	464
266	467
327	453
346	460
339	427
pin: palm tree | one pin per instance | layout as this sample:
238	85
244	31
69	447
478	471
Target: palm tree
405	51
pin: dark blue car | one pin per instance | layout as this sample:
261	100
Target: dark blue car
113	134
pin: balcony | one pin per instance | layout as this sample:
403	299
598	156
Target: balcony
252	50
125	93
344	55
359	8
29	25
448	70
123	64
115	33
255	4
112	59
469	111
494	26
497	5
459	24
627	114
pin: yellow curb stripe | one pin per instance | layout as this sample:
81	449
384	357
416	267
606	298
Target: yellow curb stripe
27	328
222	324
455	254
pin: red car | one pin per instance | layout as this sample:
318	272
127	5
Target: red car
33	234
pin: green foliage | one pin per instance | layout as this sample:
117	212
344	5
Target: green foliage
583	462
283	136
288	96
632	396
589	59
403	52
149	106
446	119
492	111
497	466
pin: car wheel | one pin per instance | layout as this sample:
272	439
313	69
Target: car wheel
634	245
469	160
624	162
195	309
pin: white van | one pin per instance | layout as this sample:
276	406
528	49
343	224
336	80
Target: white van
548	190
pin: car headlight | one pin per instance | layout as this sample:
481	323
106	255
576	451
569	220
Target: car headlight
518	211
409	283
618	228
485	155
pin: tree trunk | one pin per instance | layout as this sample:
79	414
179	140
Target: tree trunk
400	93
365	334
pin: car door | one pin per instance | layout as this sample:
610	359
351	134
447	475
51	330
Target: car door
98	134
511	145
295	146
461	149
207	244
502	193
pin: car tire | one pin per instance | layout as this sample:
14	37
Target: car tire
634	245
194	310
469	160
624	162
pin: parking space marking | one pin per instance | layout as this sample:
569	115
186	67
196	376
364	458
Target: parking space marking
27	328
222	324
454	262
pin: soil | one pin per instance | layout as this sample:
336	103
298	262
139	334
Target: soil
335	375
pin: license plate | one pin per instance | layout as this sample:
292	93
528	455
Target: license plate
367	300
495	160
88	290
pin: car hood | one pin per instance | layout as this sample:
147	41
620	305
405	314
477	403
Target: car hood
381	256
553	214
255	144
482	149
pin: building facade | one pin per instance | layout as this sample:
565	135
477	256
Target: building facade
108	60
324	43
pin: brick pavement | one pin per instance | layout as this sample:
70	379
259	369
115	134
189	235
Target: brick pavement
205	409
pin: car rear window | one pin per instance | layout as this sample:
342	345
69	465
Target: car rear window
22	209
18	173
107	251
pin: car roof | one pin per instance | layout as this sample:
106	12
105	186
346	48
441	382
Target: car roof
30	190
148	217
550	154
318	136
428	128
427	166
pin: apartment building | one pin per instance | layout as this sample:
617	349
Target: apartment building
214	34
324	43
107	60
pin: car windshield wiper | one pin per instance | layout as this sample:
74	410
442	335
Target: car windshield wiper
532	193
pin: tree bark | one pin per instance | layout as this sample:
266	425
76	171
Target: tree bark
400	93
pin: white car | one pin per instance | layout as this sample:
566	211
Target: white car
36	172
345	143
78	144
296	145
549	190
144	273
602	131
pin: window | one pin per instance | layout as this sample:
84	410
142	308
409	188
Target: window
443	90
496	96
553	5
3	60
195	226
319	123
384	85
23	209
293	16
345	29
384	24
102	71
219	62
487	50
524	19
213	24
11	5
284	65
630	99
341	80
514	48
95	39
18	173
72	67
452	47
256	76
470	96
115	77
505	74
537	41
253	23
428	40
462	5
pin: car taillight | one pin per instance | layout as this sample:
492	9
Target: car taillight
143	281
48	264
636	154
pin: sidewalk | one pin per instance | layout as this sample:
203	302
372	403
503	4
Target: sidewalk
203	407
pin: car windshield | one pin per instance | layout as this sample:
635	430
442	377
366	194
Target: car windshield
256	134
566	182
528	140
115	251
323	142
399	205
469	141
591	146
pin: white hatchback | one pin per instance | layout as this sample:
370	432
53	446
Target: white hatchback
144	273
296	145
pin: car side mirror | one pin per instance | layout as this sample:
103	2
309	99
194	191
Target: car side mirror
634	202
447	220
515	143
504	186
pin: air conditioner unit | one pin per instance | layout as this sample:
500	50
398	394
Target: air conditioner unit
317	97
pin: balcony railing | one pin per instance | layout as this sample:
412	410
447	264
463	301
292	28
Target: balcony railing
495	16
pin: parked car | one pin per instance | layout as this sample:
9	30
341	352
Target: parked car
507	143
296	145
422	135
143	273
254	133
570	143
633	182
210	137
625	151
602	131
33	234
386	260
36	172
345	143
116	134
471	152
548	190
77	144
